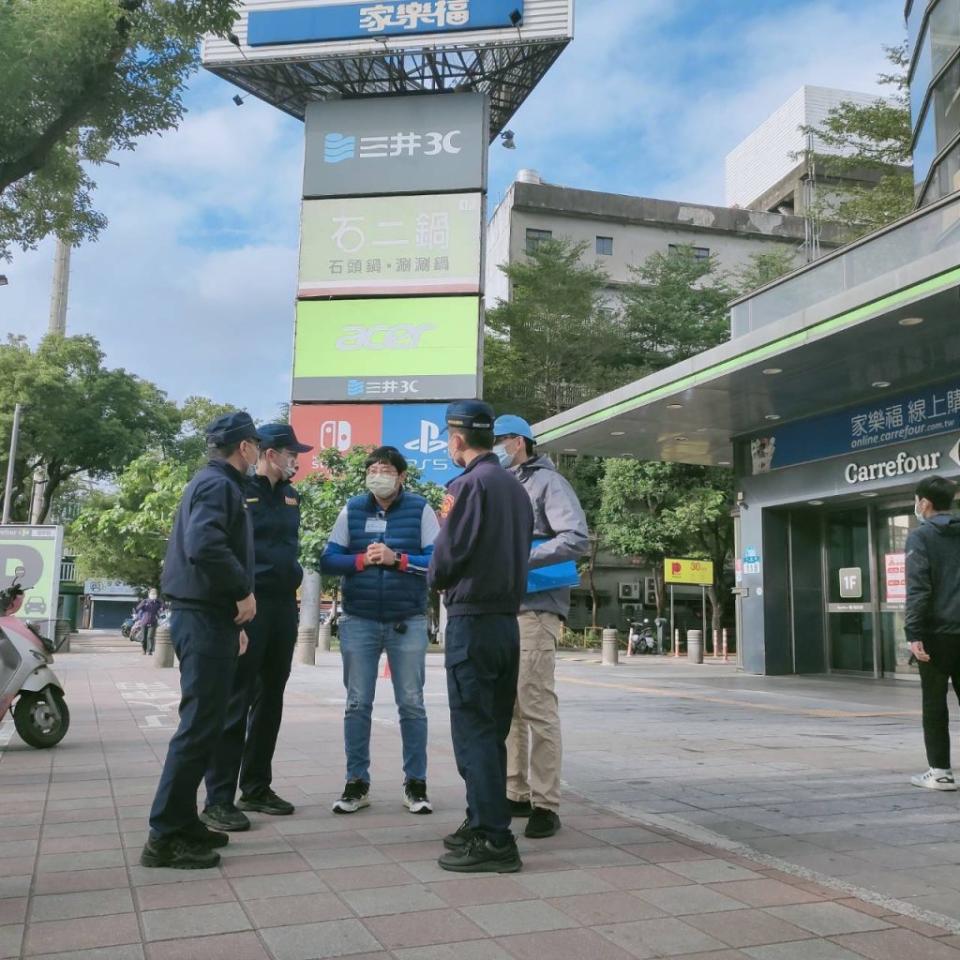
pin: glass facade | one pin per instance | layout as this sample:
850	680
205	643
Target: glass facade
933	30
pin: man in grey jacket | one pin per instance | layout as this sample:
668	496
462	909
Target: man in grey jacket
932	619
560	535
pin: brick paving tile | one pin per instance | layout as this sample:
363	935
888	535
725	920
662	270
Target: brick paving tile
602	856
126	951
528	916
423	928
15	866
694	898
18	848
667	851
563	883
471	950
277	885
231	946
828	919
303	908
358	878
81	844
59	935
380	901
802	950
897	945
639	878
659	938
765	893
712	871
480	889
92	903
318	941
11	939
14	886
85	828
147	876
563	945
194	921
747	928
190	893
253	866
917	926
98	859
592	909
415	850
713	955
327	859
13	910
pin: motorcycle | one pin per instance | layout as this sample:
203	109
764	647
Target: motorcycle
40	715
641	638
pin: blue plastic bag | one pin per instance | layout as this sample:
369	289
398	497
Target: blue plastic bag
554	577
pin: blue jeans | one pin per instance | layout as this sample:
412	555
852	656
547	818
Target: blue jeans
361	643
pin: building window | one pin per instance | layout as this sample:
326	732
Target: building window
699	253
536	237
604	246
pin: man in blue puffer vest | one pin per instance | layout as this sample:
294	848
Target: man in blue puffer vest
381	545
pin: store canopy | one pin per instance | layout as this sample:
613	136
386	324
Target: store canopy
879	316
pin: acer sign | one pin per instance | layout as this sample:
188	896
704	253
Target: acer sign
407	349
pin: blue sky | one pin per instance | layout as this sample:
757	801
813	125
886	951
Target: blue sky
192	284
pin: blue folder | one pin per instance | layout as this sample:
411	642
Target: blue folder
554	577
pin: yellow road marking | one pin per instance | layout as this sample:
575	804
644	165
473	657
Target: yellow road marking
728	702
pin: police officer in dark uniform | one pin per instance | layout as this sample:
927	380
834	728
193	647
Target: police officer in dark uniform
480	561
208	582
245	751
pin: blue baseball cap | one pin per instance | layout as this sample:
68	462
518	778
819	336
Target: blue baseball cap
231	428
470	415
280	436
511	425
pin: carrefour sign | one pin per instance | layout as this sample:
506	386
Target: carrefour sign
430	144
415	348
313	23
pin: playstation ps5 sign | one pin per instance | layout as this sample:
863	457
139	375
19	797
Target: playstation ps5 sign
396	145
317	23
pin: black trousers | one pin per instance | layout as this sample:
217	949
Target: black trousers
206	646
244	754
935	678
482	657
148	639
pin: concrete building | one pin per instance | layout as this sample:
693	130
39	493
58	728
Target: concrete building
768	169
622	231
837	393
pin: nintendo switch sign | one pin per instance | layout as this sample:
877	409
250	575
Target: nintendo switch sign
416	430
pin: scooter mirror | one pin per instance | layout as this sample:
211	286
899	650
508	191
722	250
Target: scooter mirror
19	572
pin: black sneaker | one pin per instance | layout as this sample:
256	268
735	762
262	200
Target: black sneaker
225	816
459	838
266	801
542	823
179	853
203	836
353	798
520	808
479	855
415	797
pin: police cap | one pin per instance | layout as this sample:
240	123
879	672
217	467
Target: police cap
231	428
280	436
470	415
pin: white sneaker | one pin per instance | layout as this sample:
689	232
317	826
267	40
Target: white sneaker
935	779
355	797
415	797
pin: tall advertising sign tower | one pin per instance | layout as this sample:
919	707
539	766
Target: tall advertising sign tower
400	101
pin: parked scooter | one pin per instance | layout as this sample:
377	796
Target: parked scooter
40	714
641	638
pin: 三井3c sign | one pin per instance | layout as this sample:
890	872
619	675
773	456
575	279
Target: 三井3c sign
698	572
409	349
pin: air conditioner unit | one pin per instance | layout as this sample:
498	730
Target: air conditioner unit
632	611
629	590
649	592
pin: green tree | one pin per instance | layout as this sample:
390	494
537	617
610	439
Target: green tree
81	78
553	343
675	307
79	416
764	268
196	413
874	143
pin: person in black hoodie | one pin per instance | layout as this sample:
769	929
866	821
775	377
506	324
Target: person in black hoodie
208	581
245	751
933	620
480	561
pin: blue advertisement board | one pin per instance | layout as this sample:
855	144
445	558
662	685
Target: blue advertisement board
387	18
417	432
927	412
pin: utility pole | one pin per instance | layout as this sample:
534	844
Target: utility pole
61	289
8	489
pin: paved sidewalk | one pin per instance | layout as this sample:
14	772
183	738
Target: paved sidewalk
367	886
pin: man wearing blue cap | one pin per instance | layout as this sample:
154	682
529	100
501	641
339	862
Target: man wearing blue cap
480	563
208	577
245	751
559	535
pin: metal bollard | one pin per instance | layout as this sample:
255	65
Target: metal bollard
695	646
716	643
324	637
163	647
609	649
676	642
305	651
724	644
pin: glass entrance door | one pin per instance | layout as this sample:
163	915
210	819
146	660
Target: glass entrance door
893	525
850	612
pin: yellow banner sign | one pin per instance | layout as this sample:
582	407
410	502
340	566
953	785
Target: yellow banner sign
699	572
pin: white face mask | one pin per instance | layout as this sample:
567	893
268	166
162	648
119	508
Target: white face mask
506	459
288	469
382	486
152	595
917	512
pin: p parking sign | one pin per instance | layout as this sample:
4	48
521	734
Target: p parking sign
31	555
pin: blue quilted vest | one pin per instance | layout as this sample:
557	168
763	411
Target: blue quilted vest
379	593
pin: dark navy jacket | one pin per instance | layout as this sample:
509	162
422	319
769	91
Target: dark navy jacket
209	561
482	553
933	580
379	593
275	512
